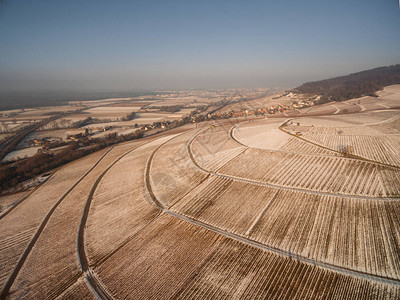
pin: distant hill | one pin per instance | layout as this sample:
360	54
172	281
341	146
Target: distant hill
354	85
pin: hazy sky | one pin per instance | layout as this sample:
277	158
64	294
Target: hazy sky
125	45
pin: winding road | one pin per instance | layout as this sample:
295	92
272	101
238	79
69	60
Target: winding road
38	232
99	289
343	270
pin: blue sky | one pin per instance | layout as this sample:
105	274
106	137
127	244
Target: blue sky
127	45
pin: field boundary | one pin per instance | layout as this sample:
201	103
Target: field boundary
349	156
277	186
43	224
331	267
95	285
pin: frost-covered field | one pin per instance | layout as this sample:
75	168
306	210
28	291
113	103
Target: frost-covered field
261	136
111	112
303	207
22	153
9	200
18	227
36	113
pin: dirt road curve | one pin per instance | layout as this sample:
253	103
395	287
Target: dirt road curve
250	242
100	290
32	242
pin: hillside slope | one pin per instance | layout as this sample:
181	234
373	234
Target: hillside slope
354	85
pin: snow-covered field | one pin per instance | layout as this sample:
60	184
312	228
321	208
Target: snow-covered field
22	153
261	136
226	210
8	200
111	112
36	113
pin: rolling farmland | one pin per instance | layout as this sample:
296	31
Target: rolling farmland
278	208
19	226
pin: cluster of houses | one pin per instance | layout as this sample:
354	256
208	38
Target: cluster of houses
45	140
162	125
192	118
264	111
87	133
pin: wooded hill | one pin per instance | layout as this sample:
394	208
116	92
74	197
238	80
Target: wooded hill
354	85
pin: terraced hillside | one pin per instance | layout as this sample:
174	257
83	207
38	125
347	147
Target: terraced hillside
280	208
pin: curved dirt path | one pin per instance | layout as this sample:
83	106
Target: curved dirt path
32	242
349	156
98	289
277	186
343	270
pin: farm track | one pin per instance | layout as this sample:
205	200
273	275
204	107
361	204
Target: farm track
82	257
37	233
351	156
323	154
97	288
283	187
100	291
327	117
32	242
331	267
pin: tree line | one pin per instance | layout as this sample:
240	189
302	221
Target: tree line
356	85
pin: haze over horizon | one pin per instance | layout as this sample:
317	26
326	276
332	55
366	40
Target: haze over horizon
132	45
